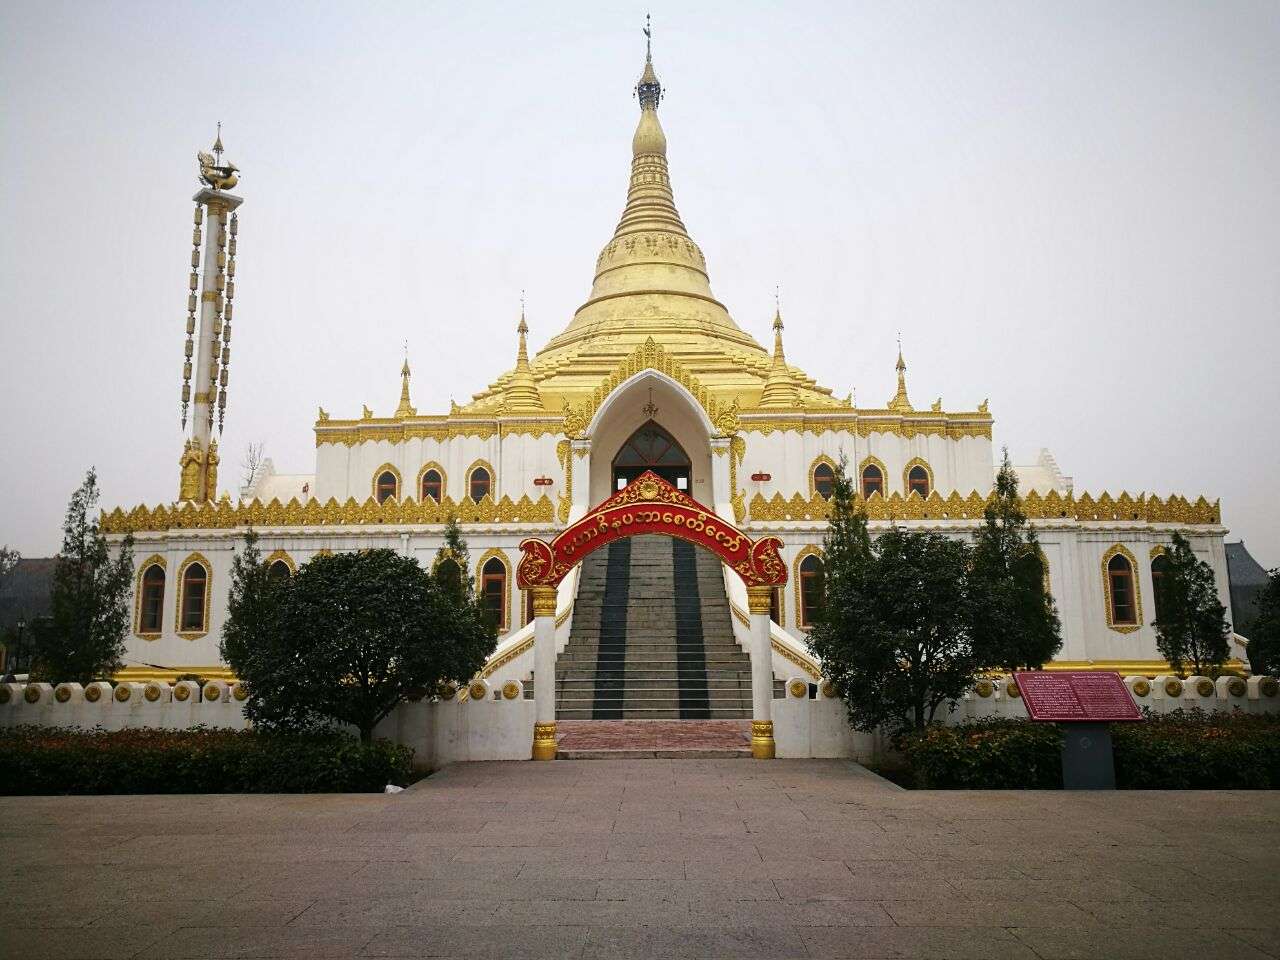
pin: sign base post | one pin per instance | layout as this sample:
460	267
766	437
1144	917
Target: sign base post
1087	761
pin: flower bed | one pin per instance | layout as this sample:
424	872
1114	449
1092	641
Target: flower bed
1186	749
38	760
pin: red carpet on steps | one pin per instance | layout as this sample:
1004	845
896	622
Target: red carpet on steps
653	734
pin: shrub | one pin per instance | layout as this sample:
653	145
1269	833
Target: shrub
36	760
985	754
1190	749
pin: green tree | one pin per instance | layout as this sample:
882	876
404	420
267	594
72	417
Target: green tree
894	635
83	638
1192	626
1016	623
252	605
1264	630
347	638
453	563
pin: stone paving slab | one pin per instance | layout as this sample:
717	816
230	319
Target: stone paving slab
656	858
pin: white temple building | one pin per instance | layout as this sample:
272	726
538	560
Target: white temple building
650	373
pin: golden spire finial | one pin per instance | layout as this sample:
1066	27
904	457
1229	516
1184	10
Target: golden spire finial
780	387
648	90
522	394
406	409
217	143
900	402
522	353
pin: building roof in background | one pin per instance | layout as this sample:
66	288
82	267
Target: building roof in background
1247	579
27	590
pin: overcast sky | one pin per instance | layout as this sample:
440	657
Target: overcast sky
1070	208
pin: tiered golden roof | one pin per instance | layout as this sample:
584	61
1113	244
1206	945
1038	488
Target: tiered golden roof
651	282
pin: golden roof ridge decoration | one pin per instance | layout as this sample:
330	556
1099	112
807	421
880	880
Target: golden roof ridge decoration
224	516
650	355
1126	508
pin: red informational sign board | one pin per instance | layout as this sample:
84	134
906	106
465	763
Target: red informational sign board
1079	696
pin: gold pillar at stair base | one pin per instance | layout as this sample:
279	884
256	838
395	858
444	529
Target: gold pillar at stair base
544	672
762	745
544	740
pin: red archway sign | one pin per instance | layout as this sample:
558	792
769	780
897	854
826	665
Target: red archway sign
649	504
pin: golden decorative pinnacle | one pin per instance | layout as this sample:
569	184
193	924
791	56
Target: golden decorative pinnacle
406	409
215	173
522	394
900	403
780	387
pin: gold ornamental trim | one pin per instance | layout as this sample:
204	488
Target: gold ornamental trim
1125	508
650	355
181	592
544	741
758	599
155	560
224	516
1119	550
350	433
283	557
762	744
392	469
544	601
863	423
496	553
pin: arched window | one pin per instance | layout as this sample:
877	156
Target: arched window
278	571
1124	609
824	480
918	481
385	488
811	590
1159	570
193	600
479	484
493	592
432	486
872	480
151	600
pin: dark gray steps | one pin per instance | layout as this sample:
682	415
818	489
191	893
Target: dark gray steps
652	638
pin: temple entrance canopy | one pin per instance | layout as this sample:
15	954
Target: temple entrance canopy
651	448
650	504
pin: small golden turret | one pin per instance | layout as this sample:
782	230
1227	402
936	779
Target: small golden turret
900	403
780	387
521	395
406	409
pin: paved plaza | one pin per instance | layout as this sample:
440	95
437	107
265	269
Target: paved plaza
645	858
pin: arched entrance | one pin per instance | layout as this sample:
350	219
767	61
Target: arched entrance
651	505
652	448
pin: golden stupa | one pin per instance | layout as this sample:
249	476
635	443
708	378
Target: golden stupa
651	283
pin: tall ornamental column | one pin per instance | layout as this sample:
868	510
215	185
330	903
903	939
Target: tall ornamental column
762	745
544	673
207	352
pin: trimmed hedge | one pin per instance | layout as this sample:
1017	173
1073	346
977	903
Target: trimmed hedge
1174	751
987	754
37	760
1194	750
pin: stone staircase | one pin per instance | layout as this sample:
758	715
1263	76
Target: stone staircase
652	638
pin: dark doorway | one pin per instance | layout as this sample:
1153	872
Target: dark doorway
652	448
